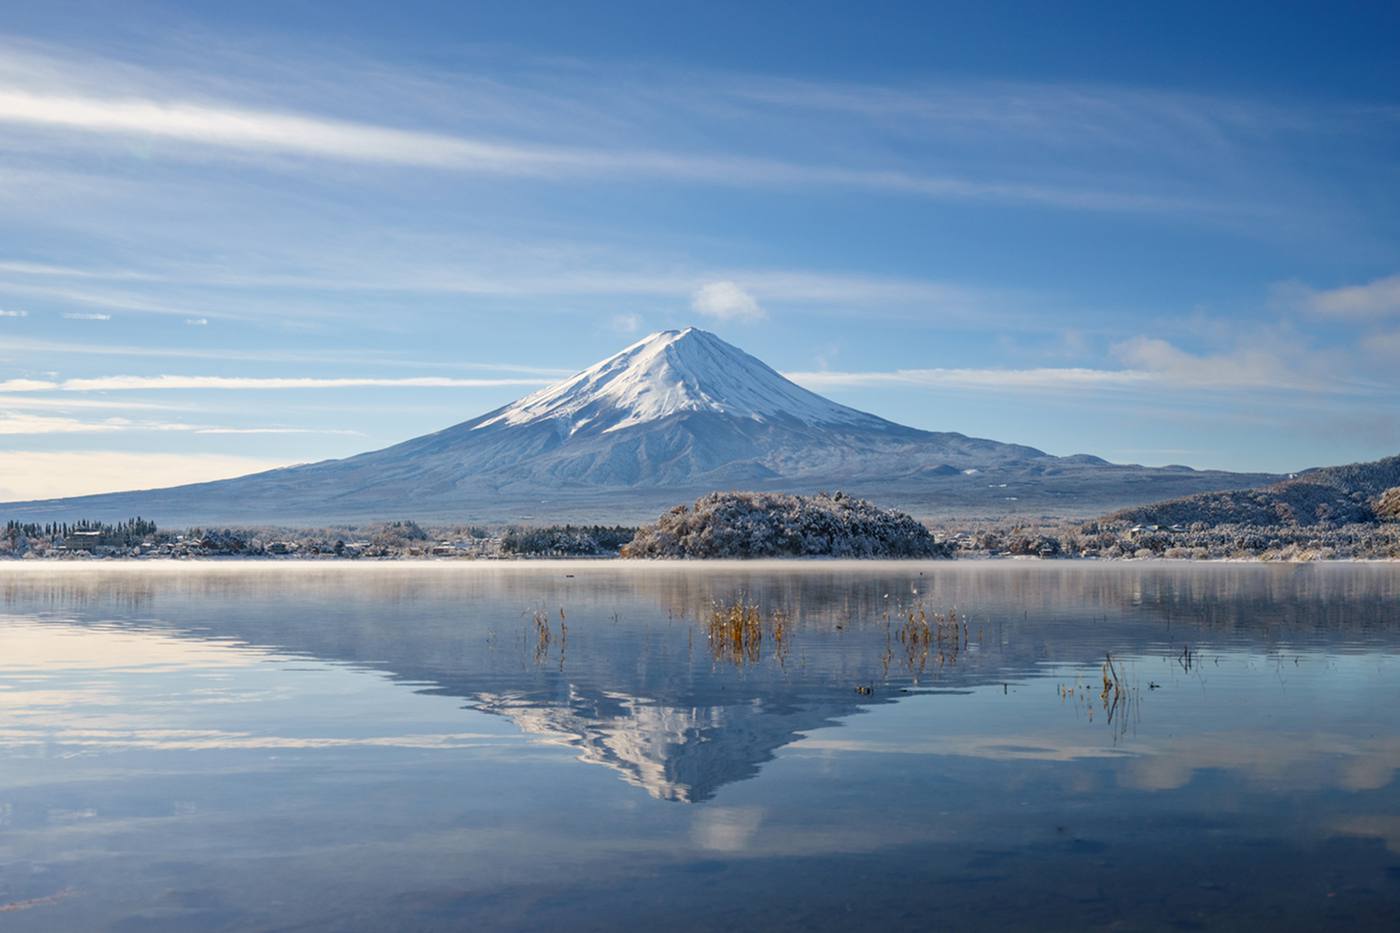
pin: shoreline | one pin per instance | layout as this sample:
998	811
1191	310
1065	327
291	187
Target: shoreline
97	563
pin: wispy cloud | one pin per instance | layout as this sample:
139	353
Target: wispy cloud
119	298
584	276
227	126
196	321
1058	115
362	357
21	423
725	301
340	431
1149	363
238	128
126	383
13	313
73	403
1250	367
12	422
42	269
1012	379
18	423
27	385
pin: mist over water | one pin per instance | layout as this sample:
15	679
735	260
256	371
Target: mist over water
594	746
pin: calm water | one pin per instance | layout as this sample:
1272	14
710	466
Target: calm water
279	747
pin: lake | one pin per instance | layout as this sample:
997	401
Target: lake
595	746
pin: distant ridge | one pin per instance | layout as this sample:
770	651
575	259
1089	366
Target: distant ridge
1337	494
674	415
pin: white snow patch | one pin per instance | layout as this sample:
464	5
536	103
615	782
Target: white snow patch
668	373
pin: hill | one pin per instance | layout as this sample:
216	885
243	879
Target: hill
1357	492
740	524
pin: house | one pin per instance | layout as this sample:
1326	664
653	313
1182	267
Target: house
83	540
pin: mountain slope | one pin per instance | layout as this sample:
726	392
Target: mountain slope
1340	494
675	414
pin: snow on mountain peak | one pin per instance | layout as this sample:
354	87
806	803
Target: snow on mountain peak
668	373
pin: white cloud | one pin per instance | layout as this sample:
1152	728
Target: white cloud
196	321
86	316
725	301
51	474
1251	367
1377	298
627	323
27	385
12	422
13	313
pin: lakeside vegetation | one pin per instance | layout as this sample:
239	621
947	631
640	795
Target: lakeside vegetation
1334	513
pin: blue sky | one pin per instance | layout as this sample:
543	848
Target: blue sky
239	235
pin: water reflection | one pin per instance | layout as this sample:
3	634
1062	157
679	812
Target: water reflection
683	680
893	736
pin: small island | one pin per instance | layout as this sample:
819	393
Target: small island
752	524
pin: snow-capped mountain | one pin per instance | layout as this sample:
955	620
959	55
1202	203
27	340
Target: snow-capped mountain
680	408
674	373
674	415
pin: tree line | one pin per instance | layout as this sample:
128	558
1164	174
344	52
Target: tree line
124	533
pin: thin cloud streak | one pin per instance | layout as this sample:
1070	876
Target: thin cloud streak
123	383
247	130
812	291
17	402
18	423
143	383
1044	378
1067	379
270	356
1275	365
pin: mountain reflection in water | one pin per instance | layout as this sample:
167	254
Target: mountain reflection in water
691	682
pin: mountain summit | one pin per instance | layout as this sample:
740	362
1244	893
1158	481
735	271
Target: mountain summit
676	414
674	372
